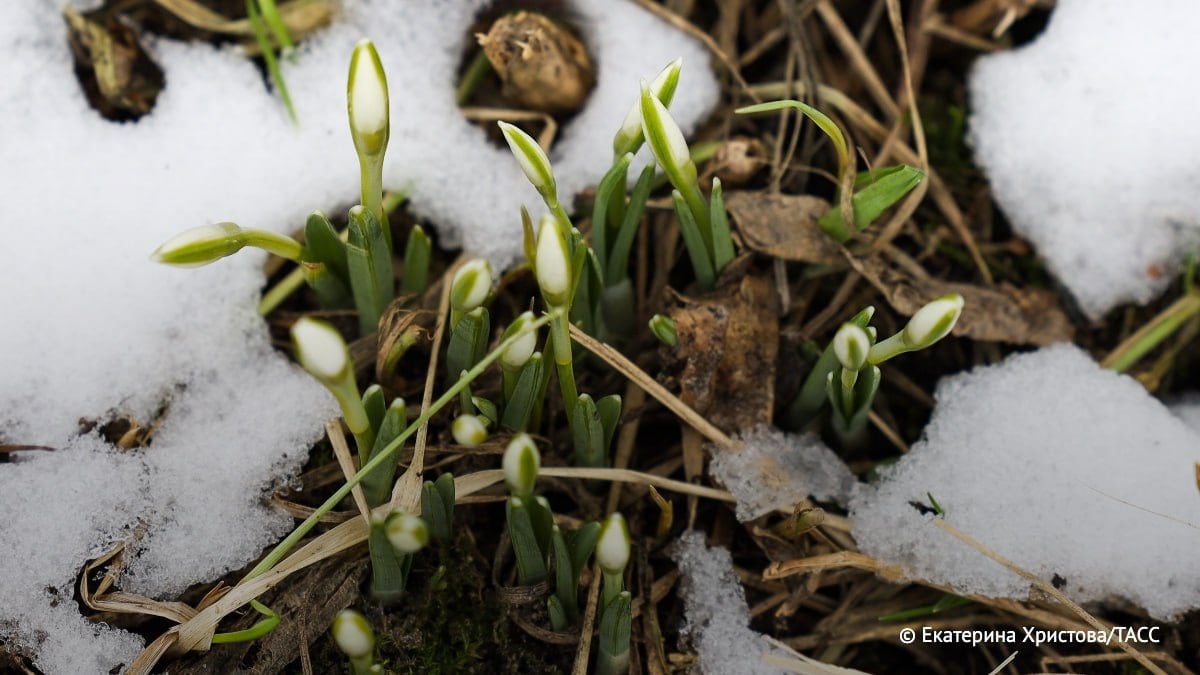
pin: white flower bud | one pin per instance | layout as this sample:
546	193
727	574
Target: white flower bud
353	634
612	548
666	140
521	464
468	430
630	136
933	322
532	160
518	353
553	262
471	285
367	100
200	245
851	344
320	349
406	532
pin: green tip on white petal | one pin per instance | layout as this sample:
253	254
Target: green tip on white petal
612	548
553	262
471	285
367	99
521	463
531	158
200	245
468	430
665	138
630	136
933	322
851	345
320	349
406	532
518	353
353	634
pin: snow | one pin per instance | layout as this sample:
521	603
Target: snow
94	330
715	609
1187	408
1088	138
773	470
1063	467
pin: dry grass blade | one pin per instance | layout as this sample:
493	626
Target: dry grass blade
831	561
686	26
300	16
1049	590
629	369
333	429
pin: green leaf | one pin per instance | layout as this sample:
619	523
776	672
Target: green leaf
375	406
322	244
618	259
487	410
468	342
370	265
566	578
437	506
607	193
527	395
693	241
831	129
387	568
878	192
377	485
531	564
609	409
258	630
268	53
558	614
331	291
722	240
616	620
417	254
543	523
582	543
588	434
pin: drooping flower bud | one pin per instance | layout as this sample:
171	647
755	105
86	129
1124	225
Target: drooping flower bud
521	464
613	546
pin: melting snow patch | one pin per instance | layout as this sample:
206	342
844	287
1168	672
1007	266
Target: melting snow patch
718	618
1089	140
773	470
1065	468
94	330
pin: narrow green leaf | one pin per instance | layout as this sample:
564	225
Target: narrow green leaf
377	485
566	578
618	259
609	410
468	342
527	396
831	129
693	241
322	244
722	240
268	52
387	570
258	630
582	543
531	565
558	614
376	406
878	193
417	254
543	523
612	187
588	434
370	267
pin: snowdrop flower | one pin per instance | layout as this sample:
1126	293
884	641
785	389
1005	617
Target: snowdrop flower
468	430
208	243
612	548
323	353
353	634
666	140
933	321
471	285
519	352
851	345
406	532
521	463
552	264
367	101
630	136
532	160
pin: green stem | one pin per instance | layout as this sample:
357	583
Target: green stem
699	207
271	242
479	68
276	294
560	336
372	194
388	452
849	377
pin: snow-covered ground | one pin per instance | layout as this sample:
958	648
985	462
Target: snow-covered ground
93	330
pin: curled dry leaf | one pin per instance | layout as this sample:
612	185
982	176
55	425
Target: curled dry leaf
122	79
543	66
728	344
738	159
784	226
1002	314
399	328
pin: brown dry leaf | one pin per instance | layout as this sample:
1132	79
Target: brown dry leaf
1002	314
399	328
112	52
738	159
543	66
784	226
728	343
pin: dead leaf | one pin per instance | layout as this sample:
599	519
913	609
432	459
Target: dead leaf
784	226
738	159
125	80
543	66
1002	314
728	343
400	327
